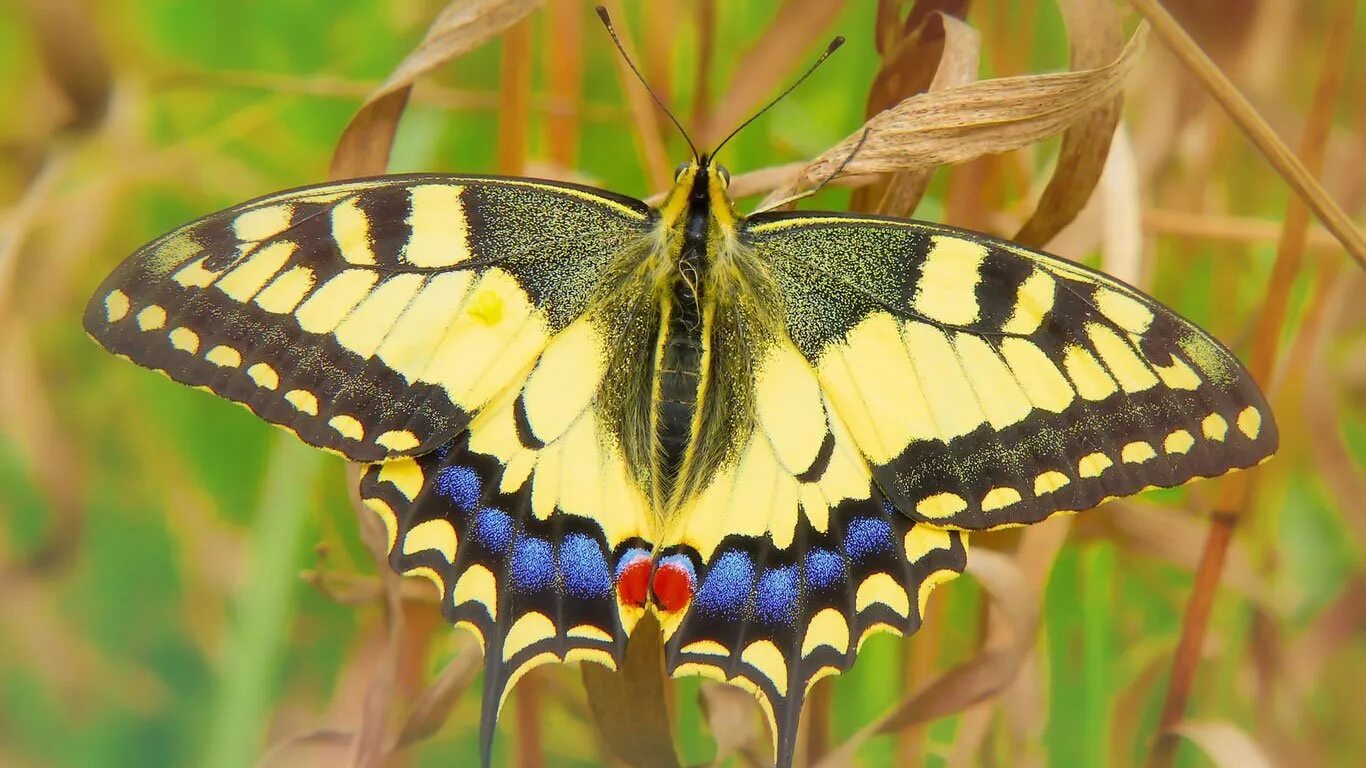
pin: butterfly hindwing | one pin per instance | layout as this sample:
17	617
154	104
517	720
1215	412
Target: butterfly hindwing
526	520
989	385
791	554
371	317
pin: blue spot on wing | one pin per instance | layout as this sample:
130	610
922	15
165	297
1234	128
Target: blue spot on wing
583	567
493	529
867	536
460	485
777	594
728	583
824	568
532	565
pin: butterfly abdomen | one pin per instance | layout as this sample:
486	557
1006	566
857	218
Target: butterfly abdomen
679	374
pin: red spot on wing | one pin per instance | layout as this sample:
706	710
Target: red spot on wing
633	585
672	587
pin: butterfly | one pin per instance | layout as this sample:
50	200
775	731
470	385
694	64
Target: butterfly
773	432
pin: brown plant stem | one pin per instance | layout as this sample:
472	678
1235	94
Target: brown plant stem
1236	490
1254	126
529	751
818	720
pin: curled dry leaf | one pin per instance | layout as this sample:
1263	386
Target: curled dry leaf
1093	31
967	121
733	718
798	26
960	57
1227	745
977	679
911	50
461	26
629	704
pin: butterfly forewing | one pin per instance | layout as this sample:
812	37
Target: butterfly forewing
370	317
989	385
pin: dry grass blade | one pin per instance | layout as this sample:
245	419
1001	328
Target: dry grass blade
461	26
1227	745
650	143
958	124
329	737
976	679
761	70
1093	30
1235	491
630	704
370	745
733	719
434	704
959	60
1255	127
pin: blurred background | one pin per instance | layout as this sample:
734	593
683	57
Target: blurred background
181	585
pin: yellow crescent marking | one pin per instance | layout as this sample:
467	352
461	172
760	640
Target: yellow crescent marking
1092	464
1250	422
185	340
1179	441
151	317
526	632
303	400
1214	427
116	305
264	376
1047	482
827	628
941	505
347	426
999	498
1137	452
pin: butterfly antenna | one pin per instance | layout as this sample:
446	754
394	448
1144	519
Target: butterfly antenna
829	49
611	30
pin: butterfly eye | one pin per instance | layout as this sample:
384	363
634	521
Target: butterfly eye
725	174
678	172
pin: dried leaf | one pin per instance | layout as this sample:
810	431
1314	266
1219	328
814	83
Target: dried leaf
629	704
434	704
733	719
962	50
798	26
977	679
912	50
958	124
1093	30
461	26
1225	743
